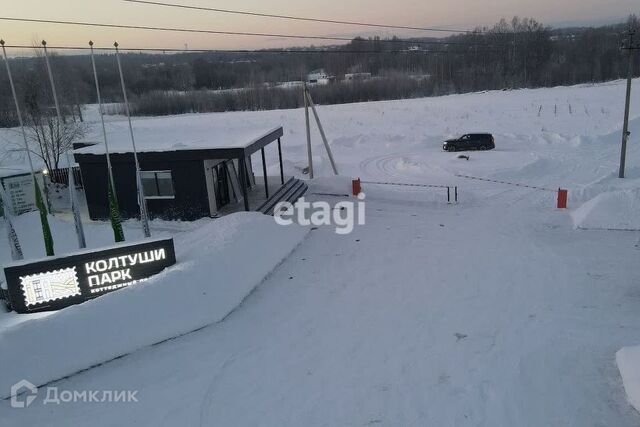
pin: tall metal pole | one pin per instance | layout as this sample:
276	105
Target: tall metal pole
18	113
306	121
114	207
48	239
104	130
625	128
322	134
82	243
144	218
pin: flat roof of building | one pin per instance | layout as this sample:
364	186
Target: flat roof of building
173	134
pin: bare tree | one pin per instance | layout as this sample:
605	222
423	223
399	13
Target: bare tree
51	139
48	138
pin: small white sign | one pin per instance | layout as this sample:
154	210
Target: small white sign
20	193
50	286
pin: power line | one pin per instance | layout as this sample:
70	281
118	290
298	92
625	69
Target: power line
296	18
320	20
233	33
238	51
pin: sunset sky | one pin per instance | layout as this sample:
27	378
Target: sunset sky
434	13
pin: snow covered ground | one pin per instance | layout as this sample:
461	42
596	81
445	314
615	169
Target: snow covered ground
499	311
209	281
627	359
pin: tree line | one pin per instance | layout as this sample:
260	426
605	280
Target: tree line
518	53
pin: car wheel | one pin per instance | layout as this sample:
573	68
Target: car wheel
452	148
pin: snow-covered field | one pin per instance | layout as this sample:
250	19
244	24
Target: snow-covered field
219	249
499	310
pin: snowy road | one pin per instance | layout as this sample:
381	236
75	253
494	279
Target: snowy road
493	312
512	323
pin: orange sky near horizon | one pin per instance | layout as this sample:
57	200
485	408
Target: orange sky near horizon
433	13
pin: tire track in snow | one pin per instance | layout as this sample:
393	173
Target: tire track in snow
381	165
384	166
387	166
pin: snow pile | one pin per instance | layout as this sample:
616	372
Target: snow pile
628	360
219	264
613	210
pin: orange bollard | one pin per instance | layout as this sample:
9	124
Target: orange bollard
562	198
355	185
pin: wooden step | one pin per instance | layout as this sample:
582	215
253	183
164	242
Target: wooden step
291	191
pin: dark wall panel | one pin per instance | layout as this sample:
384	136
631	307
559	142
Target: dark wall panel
190	203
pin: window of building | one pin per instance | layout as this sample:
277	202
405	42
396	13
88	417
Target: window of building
157	184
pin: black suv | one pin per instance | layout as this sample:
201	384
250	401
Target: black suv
470	141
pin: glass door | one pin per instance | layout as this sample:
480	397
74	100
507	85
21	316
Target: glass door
221	184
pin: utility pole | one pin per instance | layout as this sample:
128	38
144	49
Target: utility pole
308	128
309	103
630	46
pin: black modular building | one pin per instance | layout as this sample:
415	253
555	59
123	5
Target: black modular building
183	181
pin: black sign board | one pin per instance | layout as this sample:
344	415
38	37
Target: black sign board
52	284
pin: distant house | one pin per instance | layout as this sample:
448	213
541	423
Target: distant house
357	77
319	77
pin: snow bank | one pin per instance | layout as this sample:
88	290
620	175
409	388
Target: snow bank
219	264
628	360
610	210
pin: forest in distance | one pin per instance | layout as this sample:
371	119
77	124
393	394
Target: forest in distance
516	53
